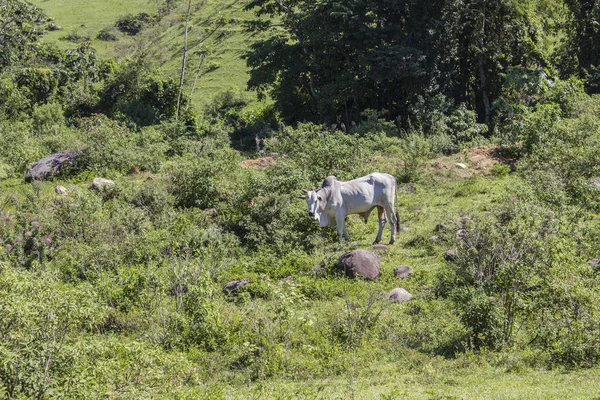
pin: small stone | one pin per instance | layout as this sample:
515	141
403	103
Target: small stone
434	239
408	188
451	255
233	287
594	262
60	190
403	271
398	295
211	212
380	248
102	184
462	234
461	165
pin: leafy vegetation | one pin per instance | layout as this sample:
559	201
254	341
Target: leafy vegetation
492	135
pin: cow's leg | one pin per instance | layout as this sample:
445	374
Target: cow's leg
389	210
341	227
381	219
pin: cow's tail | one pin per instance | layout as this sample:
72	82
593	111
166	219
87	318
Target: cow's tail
396	205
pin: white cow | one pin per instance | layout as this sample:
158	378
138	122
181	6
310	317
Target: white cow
335	199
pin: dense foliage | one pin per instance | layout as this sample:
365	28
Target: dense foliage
338	58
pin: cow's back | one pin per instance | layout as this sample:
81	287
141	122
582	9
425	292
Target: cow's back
361	194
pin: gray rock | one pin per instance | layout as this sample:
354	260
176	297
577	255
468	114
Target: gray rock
211	212
408	188
380	248
461	165
403	271
594	262
398	295
233	287
51	165
102	184
451	255
60	190
360	263
462	234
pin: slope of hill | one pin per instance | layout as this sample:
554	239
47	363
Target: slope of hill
216	40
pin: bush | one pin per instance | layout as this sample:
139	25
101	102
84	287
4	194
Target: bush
415	151
510	283
107	34
320	153
39	319
195	181
133	24
47	116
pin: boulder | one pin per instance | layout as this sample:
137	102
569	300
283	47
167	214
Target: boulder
60	190
233	287
360	263
51	165
102	184
403	271
398	295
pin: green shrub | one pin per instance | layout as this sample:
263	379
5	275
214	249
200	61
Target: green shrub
205	326
499	170
320	153
195	181
40	319
515	277
415	151
133	24
47	116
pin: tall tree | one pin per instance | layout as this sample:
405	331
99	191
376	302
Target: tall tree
20	27
328	60
583	44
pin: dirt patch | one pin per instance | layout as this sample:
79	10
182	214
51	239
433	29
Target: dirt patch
478	160
485	157
437	164
258	163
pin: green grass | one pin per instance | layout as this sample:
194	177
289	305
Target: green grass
87	18
216	28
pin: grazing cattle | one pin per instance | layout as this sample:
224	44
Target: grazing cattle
335	199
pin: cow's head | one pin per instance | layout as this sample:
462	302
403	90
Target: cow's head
317	201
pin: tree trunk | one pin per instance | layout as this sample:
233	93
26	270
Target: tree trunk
185	40
481	66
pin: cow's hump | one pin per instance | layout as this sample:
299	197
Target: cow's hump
329	181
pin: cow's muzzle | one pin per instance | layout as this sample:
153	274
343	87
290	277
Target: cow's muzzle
312	214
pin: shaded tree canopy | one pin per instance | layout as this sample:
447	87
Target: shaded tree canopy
329	60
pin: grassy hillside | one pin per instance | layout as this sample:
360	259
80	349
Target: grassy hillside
215	30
